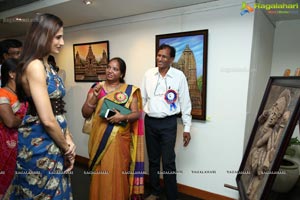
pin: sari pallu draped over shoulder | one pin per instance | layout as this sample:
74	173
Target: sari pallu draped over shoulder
9	139
117	152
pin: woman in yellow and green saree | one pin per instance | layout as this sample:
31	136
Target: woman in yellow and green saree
116	142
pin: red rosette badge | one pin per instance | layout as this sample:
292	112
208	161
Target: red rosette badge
121	97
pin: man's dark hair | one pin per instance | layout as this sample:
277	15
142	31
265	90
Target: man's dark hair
1	51
166	46
6	44
10	43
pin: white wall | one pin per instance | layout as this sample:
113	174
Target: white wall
217	143
261	64
286	52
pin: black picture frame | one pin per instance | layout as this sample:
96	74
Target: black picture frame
90	61
192	44
269	138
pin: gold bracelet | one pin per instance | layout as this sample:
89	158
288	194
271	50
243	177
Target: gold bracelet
90	105
95	94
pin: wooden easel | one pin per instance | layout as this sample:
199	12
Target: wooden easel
231	186
287	72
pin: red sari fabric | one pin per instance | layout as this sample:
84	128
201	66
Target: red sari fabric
9	140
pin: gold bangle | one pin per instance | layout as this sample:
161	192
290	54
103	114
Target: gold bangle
95	94
90	105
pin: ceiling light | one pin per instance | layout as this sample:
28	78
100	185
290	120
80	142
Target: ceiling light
87	2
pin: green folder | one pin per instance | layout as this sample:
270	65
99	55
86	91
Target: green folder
108	104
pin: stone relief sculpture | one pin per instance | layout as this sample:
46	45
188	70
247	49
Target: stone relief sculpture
271	125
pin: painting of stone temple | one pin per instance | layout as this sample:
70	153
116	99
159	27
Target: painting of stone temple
90	61
191	59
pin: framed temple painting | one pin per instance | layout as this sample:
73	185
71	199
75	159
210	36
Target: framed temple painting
273	127
191	59
90	61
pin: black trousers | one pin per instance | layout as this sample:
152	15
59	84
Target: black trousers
160	139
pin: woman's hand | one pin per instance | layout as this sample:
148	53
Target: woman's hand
91	101
69	156
97	89
116	118
69	163
133	116
72	147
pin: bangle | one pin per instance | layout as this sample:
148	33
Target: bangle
90	105
95	95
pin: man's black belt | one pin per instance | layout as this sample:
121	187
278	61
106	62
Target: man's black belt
166	117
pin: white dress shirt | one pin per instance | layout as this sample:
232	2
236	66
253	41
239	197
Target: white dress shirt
154	88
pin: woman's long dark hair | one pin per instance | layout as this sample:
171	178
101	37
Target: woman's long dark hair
37	44
9	65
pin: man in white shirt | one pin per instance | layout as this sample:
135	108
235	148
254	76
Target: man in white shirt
165	94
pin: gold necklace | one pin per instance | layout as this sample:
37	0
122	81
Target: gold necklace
109	89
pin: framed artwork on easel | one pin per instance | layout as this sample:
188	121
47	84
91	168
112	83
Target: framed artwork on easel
274	125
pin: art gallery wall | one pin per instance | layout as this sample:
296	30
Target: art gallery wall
286	51
275	48
286	54
261	64
286	47
216	148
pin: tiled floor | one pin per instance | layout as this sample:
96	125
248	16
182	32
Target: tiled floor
181	196
81	182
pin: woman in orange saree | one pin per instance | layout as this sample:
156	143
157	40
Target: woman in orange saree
11	114
116	151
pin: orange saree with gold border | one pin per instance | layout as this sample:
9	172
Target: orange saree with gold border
118	169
